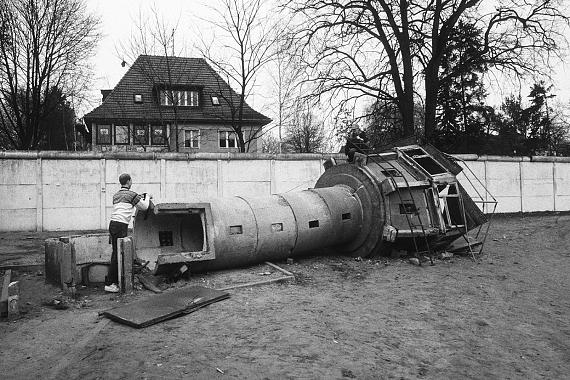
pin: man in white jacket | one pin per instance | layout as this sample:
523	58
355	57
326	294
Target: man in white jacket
125	202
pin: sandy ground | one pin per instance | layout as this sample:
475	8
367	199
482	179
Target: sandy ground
504	316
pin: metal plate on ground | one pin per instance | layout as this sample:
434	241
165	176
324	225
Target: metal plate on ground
165	306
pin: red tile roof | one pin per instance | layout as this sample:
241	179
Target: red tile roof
149	73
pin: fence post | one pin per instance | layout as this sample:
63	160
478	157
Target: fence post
162	178
220	182
103	193
554	187
521	175
272	180
39	196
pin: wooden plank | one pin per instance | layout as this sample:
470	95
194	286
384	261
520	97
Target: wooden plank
4	294
160	307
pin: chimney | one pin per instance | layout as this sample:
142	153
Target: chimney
105	93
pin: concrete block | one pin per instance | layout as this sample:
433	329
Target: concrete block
13	299
127	254
4	294
91	248
52	265
68	269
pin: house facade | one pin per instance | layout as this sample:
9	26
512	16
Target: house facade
172	104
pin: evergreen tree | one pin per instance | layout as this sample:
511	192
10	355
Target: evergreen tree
461	114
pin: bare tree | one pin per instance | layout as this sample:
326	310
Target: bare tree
392	50
306	133
247	39
270	144
44	47
289	81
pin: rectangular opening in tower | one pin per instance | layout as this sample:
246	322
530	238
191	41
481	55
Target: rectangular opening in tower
192	233
180	232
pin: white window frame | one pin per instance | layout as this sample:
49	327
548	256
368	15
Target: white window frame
184	98
227	136
193	98
194	138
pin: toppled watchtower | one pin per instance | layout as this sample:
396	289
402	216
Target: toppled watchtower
407	198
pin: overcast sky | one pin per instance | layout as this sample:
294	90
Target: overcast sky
119	19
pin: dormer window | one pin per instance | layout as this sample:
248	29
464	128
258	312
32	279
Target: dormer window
138	98
215	100
182	98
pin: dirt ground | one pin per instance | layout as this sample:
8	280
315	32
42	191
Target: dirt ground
504	316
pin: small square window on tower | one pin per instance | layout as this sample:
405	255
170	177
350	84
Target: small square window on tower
138	98
215	100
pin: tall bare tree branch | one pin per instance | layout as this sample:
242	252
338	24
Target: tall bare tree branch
45	45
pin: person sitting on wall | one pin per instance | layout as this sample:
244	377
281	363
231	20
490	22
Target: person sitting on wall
356	142
125	202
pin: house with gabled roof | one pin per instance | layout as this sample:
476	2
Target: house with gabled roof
172	104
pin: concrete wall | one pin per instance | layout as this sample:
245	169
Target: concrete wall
73	191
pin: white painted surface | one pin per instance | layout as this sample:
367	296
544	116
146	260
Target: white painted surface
76	194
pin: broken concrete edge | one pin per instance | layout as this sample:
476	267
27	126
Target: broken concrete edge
13	299
67	258
4	294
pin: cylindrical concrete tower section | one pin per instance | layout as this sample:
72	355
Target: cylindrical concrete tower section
240	231
366	189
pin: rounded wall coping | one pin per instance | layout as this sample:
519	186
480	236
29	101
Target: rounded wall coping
235	156
64	155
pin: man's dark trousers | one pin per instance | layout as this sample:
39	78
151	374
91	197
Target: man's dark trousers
116	230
